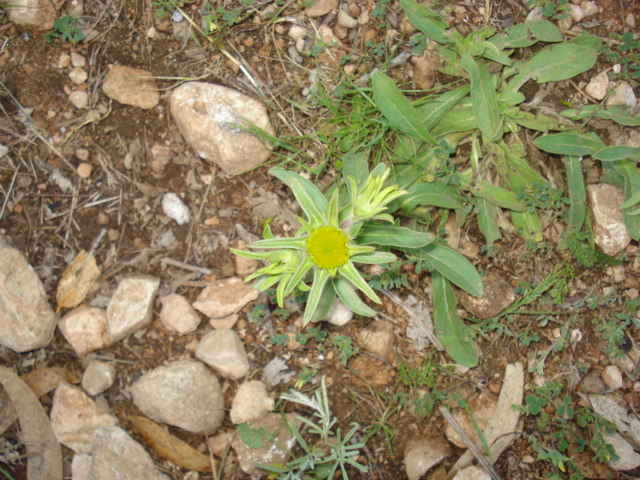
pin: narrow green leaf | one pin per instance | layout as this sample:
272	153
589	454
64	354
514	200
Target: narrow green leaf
434	110
398	109
577	195
569	143
292	242
426	20
622	114
617	152
554	63
311	200
488	220
437	194
499	196
483	96
527	34
392	236
350	298
631	201
452	265
374	258
449	328
350	272
320	277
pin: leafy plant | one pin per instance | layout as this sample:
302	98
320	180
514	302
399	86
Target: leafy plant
163	7
346	347
623	50
331	451
67	29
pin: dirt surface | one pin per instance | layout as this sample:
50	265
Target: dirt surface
137	155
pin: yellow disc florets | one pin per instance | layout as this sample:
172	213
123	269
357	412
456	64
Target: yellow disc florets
327	247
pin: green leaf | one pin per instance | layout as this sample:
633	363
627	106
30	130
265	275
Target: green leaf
290	242
374	258
569	143
631	201
452	265
397	109
253	437
461	118
624	174
554	63
350	298
311	200
355	164
527	34
622	114
528	225
577	195
350	272
434	110
499	196
320	277
448	327
437	194
426	20
537	121
392	236
483	96
618	152
488	220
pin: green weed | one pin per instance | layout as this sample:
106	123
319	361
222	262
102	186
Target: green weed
67	29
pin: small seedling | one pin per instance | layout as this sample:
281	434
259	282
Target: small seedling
67	29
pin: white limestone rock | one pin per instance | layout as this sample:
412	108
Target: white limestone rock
472	473
85	328
622	94
131	86
117	456
36	14
319	8
610	232
377	337
251	402
339	314
131	306
26	318
185	394
74	417
174	208
598	86
277	451
178	315
225	297
97	377
223	351
612	377
422	454
204	112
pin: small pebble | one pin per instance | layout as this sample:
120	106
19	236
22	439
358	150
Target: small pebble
64	60
612	377
174	208
297	32
82	154
79	98
176	16
344	20
78	75
84	170
78	60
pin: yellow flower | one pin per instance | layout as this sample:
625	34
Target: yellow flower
327	247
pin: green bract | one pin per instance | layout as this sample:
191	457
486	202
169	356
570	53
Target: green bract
332	239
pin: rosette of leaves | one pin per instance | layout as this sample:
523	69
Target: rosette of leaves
338	231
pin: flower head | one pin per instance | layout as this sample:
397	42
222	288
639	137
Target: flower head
322	251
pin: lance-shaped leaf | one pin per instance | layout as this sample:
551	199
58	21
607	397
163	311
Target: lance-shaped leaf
433	110
426	20
437	194
617	152
622	114
374	258
397	109
488	220
449	328
483	96
311	200
570	143
554	63
499	196
453	265
400	237
528	225
350	298
577	195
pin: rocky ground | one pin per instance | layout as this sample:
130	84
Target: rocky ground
131	347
